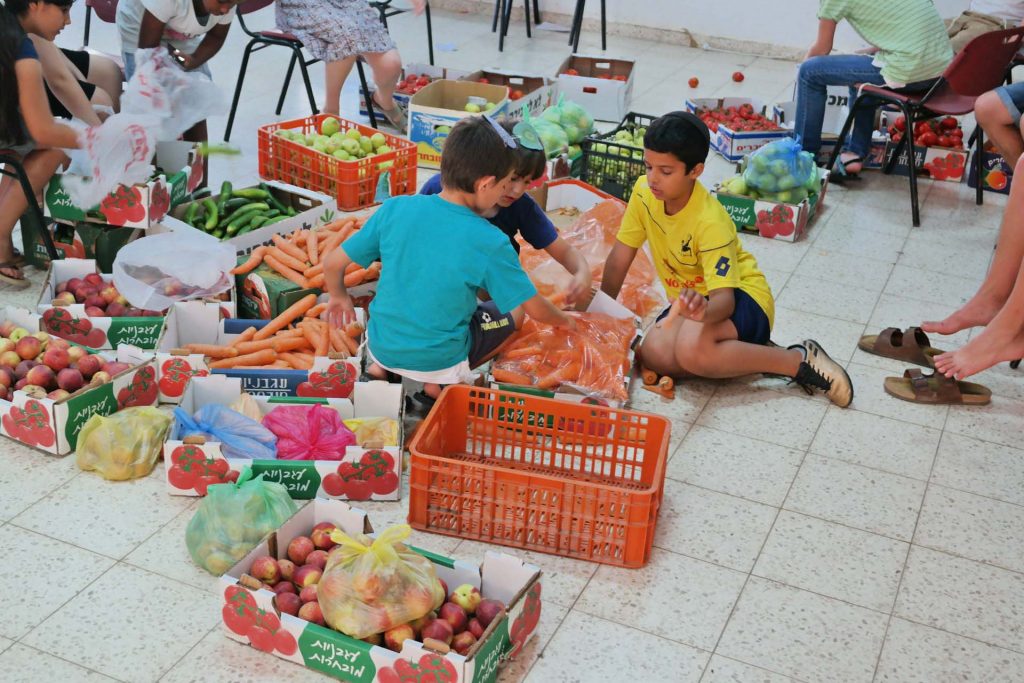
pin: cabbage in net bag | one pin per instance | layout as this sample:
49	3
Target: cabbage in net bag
551	134
371	585
124	445
233	518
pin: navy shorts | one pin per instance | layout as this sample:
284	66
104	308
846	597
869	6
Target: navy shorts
749	318
488	329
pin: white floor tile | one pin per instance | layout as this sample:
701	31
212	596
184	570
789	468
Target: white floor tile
927	285
838	337
235	661
29	475
855	243
814	295
998	422
787	420
834	266
165	553
21	664
870	397
981	467
551	618
724	670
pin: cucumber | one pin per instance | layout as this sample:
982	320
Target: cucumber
251	193
225	195
190	213
211	214
249	207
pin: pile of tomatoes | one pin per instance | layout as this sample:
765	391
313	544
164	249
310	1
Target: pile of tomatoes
944	132
412	84
740	118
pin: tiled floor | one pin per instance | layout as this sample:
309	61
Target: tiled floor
797	541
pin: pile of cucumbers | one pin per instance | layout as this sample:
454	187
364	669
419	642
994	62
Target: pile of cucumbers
236	212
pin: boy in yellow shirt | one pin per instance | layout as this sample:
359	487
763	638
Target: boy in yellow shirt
722	310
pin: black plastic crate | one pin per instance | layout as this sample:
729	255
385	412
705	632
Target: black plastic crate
614	168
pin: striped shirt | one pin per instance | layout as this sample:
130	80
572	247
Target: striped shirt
909	34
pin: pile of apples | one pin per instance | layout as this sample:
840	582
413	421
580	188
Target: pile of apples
474	108
349	145
741	118
44	366
944	132
413	83
100	298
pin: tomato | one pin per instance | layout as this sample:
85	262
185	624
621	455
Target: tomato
737	76
928	139
694	82
333	485
236	619
944	141
386	483
957	133
359	490
900	123
949	123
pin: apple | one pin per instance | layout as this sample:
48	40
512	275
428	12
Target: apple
7	380
265	569
101	377
95	312
110	293
287	568
20	384
488	610
70	379
72	284
693	82
114	368
116	310
475	627
438	629
444	587
393	638
132	312
94	279
309	593
6	327
23	367
10	359
317	558
321	535
311	612
28	347
330	126
34	390
375	639
6	345
418	624
299	549
57	395
473	108
148	313
89	365
462	642
288	603
58	343
42	376
378	139
466	596
63	299
454	615
76	353
56	358
17	334
284	587
307	575
84	292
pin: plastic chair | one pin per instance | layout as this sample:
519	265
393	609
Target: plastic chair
978	68
386	11
577	26
503	12
106	10
259	40
11	166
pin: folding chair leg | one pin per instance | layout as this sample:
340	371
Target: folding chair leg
503	28
305	79
911	165
238	89
536	12
430	34
497	13
579	26
604	28
979	163
526	4
366	94
577	19
287	82
31	205
88	24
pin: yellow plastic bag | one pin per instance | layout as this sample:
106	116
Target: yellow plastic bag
246	405
124	445
370	586
374	432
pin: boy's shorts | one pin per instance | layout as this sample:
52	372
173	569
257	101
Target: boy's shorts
750	320
488	329
1013	97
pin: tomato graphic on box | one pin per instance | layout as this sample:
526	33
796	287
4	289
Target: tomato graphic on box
527	620
159	201
374	473
175	374
195	173
30	425
64	324
430	668
191	469
244	617
123	206
141	391
337	381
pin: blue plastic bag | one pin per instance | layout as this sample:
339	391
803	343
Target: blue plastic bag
779	166
239	436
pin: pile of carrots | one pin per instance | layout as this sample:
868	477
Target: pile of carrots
288	342
300	256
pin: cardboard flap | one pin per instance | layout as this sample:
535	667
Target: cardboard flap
504	576
377	399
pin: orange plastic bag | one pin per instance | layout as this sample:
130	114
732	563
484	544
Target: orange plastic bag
593	359
593	235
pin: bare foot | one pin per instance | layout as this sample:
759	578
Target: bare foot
376	371
977	312
992	346
852	163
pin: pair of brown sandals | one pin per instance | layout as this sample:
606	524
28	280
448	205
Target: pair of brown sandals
912	345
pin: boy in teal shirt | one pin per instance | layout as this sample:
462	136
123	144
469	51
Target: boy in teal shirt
436	252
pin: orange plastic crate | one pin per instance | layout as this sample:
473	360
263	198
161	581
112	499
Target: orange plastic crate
352	183
570	479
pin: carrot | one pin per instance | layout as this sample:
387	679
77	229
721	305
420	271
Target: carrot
279	365
352	267
254	260
337	343
323	345
317	281
355	329
289	343
337	224
291	359
373	272
522	352
649	377
212	350
316	311
510	377
311	248
346	232
356	277
330	243
246	335
291	332
264	357
313	271
299	237
296	310
289	248
288	260
287	272
254	346
310	333
350	344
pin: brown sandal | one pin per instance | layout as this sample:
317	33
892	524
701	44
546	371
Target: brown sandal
936	389
910	345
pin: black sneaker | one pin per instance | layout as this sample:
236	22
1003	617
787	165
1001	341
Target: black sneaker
819	371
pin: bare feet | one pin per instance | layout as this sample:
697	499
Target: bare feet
852	162
980	310
997	343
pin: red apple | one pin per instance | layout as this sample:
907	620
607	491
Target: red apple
20	384
95	279
475	627
132	312
42	376
299	549
58	343
287	568
444	587
288	603
309	593
265	569
57	395
56	358
321	535
72	284
115	368
307	575
70	379
23	367
10	359
393	638
488	610
88	365
418	624
110	293
317	558
75	353
7	345
29	347
116	310
284	587
7	378
63	299
100	377
454	615
61	287
466	596
83	293
463	641
95	312
148	313
438	629
311	612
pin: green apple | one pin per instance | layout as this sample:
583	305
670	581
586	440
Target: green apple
320	146
283	132
330	126
366	144
341	154
473	108
383	149
443	129
338	137
489	106
309	139
353	134
349	145
378	140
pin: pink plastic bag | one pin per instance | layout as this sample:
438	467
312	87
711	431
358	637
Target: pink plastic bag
309	432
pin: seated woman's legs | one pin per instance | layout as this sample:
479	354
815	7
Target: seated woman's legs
106	75
1001	120
40	165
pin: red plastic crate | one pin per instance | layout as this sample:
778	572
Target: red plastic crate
352	183
570	479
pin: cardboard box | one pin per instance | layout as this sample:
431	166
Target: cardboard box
734	144
433	71
142	205
602	85
500	577
74	240
997	174
535	92
53	426
439	106
304	479
936	163
312	209
193	322
775	220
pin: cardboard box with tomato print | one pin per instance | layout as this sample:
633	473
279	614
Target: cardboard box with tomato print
53	426
938	146
191	322
368	471
775	220
138	206
250	616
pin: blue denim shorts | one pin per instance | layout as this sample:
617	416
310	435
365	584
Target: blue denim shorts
1013	97
751	321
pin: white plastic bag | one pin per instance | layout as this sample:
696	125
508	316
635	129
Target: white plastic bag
159	103
156	271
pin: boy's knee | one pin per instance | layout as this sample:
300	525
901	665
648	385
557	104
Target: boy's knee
989	109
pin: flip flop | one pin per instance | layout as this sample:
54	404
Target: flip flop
936	389
396	117
910	345
840	174
17	283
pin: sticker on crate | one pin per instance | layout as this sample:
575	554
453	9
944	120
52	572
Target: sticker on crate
996	173
435	109
937	163
738	125
253	615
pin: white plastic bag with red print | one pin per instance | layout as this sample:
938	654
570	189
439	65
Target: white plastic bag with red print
160	102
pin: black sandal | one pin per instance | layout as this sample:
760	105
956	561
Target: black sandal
421	402
840	175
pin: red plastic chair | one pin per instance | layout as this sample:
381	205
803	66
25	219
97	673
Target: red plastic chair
979	67
106	10
259	40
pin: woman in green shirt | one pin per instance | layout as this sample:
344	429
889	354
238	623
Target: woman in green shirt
909	50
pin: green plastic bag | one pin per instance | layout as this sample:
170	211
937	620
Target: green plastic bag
573	119
233	518
551	134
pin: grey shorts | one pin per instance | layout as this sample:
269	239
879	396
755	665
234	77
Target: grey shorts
1013	97
488	329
